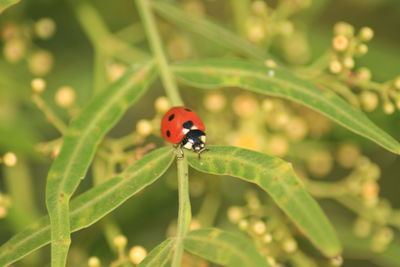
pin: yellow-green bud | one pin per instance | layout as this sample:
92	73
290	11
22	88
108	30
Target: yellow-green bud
340	43
388	108
38	85
10	159
343	28
364	74
94	262
369	100
65	96
366	33
162	104
45	28
362	49
259	227
137	254
120	241
335	67
289	245
235	214
348	62
144	127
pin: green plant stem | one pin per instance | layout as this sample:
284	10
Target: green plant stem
49	113
184	215
168	80
153	35
240	12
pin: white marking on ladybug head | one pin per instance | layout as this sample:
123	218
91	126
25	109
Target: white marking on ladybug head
188	145
194	127
185	131
203	138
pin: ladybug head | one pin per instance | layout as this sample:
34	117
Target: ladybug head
195	140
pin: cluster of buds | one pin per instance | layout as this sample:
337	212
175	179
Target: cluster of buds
266	226
346	46
264	22
18	39
135	255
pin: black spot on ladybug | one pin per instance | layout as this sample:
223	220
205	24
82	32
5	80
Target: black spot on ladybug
168	133
187	124
188	110
171	117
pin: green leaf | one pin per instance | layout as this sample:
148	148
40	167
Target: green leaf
92	205
225	248
79	146
160	255
207	29
278	82
4	4
278	179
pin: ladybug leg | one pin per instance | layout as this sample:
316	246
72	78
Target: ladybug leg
179	146
199	154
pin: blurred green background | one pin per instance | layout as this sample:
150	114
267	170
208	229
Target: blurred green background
67	32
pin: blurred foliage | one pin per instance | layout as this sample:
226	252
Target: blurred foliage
58	55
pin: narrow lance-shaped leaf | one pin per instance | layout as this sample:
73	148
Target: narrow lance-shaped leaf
278	82
278	179
79	146
160	255
4	4
207	29
92	205
225	248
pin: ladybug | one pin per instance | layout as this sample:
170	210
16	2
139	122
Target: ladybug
181	126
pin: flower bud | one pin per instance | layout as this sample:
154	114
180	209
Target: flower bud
388	108
340	43
289	245
361	49
364	74
38	85
14	50
259	227
45	28
369	100
348	62
94	262
162	104
40	63
10	159
366	33
235	214
144	127
215	101
120	241
335	67
137	254
65	96
362	227
243	224
343	28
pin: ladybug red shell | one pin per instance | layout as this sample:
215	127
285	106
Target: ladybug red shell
180	125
